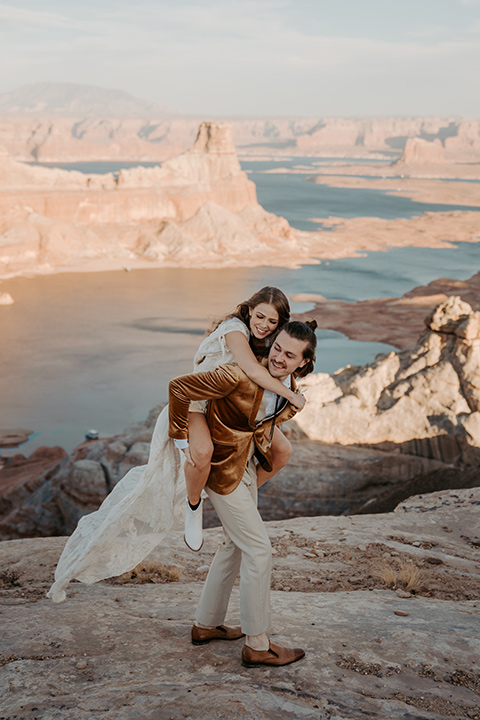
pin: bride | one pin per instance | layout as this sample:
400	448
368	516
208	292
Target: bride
142	508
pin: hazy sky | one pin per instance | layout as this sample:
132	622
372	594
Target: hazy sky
260	57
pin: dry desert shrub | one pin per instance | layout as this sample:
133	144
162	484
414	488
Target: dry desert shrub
149	572
407	576
387	574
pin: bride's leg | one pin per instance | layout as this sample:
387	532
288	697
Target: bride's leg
201	450
281	453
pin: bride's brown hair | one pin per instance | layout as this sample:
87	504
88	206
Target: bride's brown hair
269	295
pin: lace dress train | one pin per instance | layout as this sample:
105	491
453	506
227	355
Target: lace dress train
132	520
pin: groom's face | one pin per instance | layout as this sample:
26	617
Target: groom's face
286	355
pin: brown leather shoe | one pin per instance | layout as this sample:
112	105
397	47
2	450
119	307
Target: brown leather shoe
200	636
275	655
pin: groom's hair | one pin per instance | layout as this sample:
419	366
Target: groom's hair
304	331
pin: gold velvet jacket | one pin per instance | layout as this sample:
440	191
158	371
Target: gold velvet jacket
231	417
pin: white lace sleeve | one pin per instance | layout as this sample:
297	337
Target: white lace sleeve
228	326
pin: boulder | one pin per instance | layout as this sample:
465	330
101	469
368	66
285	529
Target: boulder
28	507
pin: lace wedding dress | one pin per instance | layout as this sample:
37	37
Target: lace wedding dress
145	505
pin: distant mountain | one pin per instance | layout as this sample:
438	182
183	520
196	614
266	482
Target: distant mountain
66	99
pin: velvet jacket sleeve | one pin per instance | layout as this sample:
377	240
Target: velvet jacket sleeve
197	386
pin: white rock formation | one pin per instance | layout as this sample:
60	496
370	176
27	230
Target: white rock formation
424	400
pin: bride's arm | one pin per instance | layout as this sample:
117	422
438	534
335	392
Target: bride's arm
244	357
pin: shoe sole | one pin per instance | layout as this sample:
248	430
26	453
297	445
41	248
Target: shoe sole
190	548
264	664
204	642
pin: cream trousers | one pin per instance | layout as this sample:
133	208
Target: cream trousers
246	547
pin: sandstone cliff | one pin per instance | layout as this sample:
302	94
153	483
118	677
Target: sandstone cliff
110	137
394	321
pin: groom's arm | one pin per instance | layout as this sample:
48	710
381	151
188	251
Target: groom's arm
198	386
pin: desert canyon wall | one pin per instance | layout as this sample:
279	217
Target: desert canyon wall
80	138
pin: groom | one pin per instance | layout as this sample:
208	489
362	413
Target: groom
241	417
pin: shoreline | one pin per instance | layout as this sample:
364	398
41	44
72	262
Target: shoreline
394	321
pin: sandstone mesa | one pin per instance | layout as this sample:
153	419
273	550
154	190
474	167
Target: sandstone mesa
198	210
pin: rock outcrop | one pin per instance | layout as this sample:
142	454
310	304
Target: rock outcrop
47	493
386	607
199	209
27	504
418	152
423	401
466	142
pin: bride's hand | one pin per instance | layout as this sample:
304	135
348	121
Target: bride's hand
298	401
188	457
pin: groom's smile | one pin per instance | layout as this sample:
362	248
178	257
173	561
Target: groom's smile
286	355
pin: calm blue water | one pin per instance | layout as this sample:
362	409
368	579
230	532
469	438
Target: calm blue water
97	350
300	200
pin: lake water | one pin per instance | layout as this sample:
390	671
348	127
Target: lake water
83	350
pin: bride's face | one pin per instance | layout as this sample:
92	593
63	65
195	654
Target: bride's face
263	320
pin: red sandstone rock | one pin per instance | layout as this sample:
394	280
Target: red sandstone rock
27	509
13	436
395	321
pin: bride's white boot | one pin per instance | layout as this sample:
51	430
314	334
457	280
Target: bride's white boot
194	526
